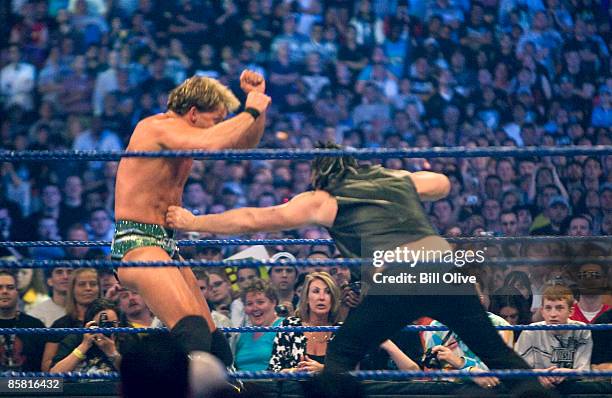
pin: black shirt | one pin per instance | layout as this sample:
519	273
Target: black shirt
21	352
378	208
602	341
64	322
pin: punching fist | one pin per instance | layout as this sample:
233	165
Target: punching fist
252	81
179	218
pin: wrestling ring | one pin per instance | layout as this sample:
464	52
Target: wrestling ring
590	383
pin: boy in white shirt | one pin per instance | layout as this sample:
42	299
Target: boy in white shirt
556	350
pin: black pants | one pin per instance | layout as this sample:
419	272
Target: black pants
378	317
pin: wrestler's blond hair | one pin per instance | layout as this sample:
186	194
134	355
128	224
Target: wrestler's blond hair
204	93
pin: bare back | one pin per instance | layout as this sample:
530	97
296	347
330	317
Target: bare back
145	187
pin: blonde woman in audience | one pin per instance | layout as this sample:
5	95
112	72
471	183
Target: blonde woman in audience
84	289
318	306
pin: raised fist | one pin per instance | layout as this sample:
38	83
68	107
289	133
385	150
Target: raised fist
252	81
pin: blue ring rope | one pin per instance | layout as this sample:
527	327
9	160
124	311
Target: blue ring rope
309	154
412	328
111	376
15	264
311	242
171	263
360	375
276	329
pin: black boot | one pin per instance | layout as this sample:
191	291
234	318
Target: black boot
193	333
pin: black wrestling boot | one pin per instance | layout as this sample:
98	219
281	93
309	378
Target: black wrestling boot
193	333
220	348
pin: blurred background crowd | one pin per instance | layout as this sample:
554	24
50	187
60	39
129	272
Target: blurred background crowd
81	74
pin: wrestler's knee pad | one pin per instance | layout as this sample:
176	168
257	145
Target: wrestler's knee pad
220	348
193	333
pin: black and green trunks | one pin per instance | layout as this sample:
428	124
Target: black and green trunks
131	235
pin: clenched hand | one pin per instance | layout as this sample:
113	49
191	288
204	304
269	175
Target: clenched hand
179	218
252	81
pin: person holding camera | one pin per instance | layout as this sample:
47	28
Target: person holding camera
351	297
350	290
445	350
91	351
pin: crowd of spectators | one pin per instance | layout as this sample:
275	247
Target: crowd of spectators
80	74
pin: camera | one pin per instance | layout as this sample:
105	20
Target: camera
105	323
355	286
431	361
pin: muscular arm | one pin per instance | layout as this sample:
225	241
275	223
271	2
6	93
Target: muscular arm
255	132
431	186
176	134
304	209
254	82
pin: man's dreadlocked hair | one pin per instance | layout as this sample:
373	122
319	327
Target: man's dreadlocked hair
326	170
